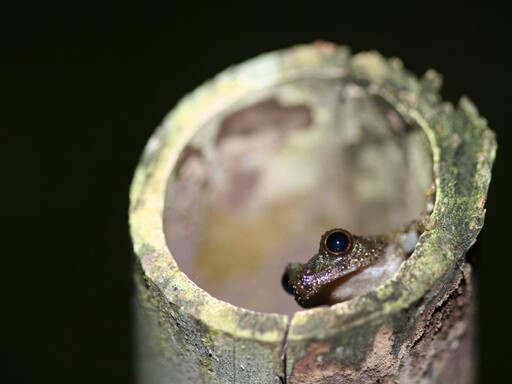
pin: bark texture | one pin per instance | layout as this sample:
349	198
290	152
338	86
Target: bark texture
416	328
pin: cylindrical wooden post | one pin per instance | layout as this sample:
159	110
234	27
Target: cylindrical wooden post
247	172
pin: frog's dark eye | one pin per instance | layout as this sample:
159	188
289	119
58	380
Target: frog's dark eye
338	241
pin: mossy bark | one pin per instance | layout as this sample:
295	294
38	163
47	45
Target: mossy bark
418	327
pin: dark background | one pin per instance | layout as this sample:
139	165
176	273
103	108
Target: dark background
83	88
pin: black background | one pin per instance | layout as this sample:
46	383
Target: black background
83	88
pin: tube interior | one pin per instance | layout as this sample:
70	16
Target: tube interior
257	186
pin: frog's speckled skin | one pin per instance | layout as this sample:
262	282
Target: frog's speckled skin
309	280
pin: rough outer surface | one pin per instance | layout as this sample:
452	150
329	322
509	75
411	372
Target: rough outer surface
417	328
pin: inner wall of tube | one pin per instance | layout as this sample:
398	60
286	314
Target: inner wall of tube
257	186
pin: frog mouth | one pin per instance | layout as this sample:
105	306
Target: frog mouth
314	288
330	293
334	291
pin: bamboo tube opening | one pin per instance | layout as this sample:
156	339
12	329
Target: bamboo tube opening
256	186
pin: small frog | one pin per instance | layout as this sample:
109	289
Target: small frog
347	265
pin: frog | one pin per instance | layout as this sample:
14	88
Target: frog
348	265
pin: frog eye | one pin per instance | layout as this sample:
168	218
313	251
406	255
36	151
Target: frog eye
338	241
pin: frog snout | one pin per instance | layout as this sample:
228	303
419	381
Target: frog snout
285	281
290	276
